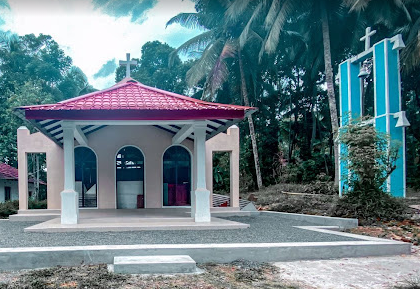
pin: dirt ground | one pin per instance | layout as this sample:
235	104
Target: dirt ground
240	274
395	272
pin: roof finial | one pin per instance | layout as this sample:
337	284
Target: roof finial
127	64
366	38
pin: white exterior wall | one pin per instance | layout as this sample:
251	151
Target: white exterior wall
14	190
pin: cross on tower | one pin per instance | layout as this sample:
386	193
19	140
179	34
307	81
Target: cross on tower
366	38
127	64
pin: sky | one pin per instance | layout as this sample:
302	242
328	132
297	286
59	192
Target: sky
98	33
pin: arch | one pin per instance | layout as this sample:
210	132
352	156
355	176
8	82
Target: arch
86	176
176	176
129	177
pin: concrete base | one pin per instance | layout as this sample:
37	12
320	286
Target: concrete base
42	257
54	225
105	220
200	210
69	207
154	264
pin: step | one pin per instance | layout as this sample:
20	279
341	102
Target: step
169	264
33	217
39	211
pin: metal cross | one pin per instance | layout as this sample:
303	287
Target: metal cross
366	38
127	64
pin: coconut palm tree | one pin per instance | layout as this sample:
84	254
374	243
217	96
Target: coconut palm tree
396	16
215	46
272	15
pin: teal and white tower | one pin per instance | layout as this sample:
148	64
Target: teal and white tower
388	114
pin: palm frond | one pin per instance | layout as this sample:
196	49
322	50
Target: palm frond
220	71
272	14
400	4
244	35
410	56
356	5
204	65
236	8
187	20
197	43
277	27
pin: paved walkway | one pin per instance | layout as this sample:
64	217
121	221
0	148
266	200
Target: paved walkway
357	273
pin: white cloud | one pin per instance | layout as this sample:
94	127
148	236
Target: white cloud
90	37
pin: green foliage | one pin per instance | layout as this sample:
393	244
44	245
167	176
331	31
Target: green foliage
34	70
153	68
221	173
370	160
8	208
34	204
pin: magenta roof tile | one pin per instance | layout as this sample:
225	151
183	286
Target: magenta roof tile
130	97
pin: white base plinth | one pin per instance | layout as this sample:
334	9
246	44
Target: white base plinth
69	207
200	211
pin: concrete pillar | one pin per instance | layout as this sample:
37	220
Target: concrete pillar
200	198
22	133
233	131
69	197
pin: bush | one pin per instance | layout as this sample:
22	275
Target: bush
8	208
371	160
34	204
370	206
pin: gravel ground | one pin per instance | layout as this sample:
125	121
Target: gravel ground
263	229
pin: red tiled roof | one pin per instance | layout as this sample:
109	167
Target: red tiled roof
132	97
10	173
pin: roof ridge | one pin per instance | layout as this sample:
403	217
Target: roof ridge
187	98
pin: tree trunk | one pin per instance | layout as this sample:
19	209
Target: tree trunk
37	177
330	85
251	124
313	113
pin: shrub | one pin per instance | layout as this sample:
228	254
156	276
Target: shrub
371	159
34	204
8	208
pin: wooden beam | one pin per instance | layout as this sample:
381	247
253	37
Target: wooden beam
182	134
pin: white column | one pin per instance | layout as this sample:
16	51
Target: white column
69	197
200	197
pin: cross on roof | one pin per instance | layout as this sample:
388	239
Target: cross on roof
366	38
127	64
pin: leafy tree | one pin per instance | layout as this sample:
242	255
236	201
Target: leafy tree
153	68
33	70
30	93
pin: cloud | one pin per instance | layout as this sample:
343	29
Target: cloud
90	36
106	69
136	9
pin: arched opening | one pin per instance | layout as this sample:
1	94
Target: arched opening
176	177
85	166
130	178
